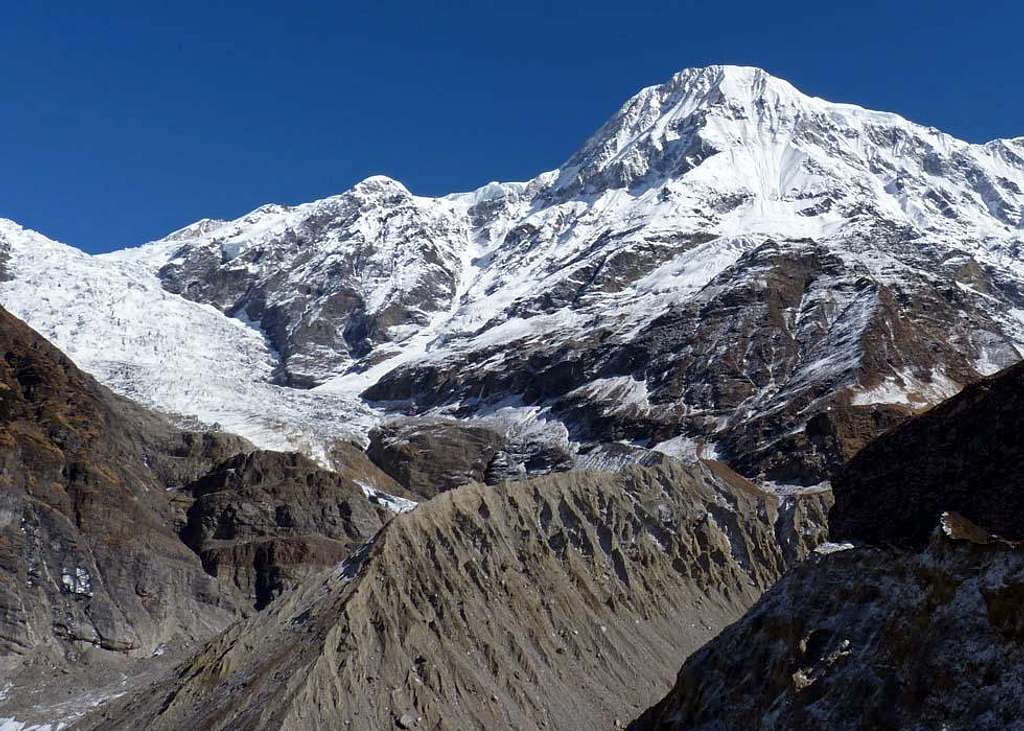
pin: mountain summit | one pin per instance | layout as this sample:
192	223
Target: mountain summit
728	266
662	128
741	128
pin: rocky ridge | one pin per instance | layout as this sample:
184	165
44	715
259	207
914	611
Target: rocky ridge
89	554
557	602
125	541
868	639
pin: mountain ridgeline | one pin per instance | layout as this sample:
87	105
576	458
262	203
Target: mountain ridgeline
727	266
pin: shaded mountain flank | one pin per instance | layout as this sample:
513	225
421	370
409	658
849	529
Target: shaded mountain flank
89	556
92	572
124	539
917	627
965	456
558	602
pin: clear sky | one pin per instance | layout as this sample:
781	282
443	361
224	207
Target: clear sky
121	121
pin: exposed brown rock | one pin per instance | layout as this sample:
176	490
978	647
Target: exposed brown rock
263	521
921	630
429	457
867	638
352	461
89	559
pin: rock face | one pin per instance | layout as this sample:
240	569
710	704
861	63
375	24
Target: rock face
352	461
263	521
962	456
561	602
428	456
330	281
920	630
727	263
89	560
867	639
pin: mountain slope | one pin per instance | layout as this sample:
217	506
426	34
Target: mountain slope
157	348
724	263
262	521
89	557
962	456
868	639
559	602
125	542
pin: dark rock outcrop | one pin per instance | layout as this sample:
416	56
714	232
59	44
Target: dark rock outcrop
263	521
920	630
430	457
868	638
427	456
964	456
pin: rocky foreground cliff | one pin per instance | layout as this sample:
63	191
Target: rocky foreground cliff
918	625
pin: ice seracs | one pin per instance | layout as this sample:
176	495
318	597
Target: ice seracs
113	317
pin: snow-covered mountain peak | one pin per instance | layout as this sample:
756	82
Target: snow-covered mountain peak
375	184
728	133
724	248
711	86
667	130
202	227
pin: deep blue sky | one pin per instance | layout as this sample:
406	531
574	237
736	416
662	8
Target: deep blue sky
121	121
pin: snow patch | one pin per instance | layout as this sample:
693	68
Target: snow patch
385	500
826	548
687	449
904	388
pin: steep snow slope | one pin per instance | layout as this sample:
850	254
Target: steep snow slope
723	262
